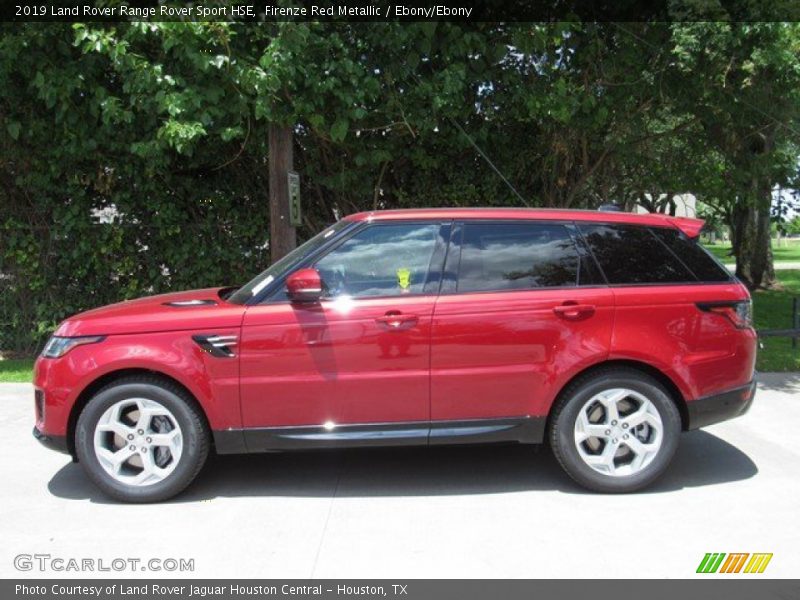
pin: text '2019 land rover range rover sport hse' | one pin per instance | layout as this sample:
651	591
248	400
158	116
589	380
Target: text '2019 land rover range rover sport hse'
603	335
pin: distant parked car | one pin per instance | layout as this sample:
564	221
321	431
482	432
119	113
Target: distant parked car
602	334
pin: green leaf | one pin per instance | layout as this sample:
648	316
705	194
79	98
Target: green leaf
14	128
316	120
339	129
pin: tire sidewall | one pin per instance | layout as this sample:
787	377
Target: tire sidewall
565	437
192	443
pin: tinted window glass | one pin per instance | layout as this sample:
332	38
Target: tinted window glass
277	269
516	256
381	260
693	255
631	254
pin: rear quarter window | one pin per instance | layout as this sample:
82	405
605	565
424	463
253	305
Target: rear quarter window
631	254
705	267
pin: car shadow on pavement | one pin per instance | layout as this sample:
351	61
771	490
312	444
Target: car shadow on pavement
702	459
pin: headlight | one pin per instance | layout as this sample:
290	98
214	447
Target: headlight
57	347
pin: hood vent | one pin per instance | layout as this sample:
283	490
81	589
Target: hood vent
190	303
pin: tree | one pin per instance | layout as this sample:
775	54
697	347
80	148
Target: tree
133	156
749	104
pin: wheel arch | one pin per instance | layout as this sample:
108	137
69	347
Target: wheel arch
672	388
108	378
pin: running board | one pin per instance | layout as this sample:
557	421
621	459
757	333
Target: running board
524	430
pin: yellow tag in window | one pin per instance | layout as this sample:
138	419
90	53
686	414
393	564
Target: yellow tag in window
404	278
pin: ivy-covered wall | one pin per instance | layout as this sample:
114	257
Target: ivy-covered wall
133	156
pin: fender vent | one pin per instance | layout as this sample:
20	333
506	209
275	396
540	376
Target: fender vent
221	346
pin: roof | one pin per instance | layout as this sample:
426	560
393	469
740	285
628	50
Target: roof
691	227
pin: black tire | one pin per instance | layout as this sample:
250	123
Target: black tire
196	438
572	400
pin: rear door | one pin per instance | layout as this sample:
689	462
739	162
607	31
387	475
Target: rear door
522	307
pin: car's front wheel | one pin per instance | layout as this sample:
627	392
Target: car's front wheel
615	430
141	439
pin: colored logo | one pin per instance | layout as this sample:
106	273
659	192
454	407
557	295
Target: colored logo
736	562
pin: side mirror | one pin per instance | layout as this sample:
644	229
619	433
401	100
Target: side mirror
304	285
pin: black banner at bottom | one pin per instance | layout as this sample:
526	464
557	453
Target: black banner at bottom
733	588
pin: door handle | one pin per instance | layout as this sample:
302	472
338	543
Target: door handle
574	311
395	320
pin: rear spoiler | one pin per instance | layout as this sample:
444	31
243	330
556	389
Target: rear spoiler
691	227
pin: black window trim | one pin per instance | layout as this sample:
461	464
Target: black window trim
439	252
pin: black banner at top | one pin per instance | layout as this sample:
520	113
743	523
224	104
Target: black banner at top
396	10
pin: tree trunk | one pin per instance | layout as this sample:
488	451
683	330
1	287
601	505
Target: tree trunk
751	239
282	238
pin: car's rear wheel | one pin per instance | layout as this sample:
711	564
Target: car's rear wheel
141	439
615	430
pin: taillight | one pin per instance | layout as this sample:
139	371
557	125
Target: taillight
739	312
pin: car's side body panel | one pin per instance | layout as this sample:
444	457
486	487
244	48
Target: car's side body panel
701	352
506	354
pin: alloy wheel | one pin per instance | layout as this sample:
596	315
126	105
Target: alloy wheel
138	441
618	432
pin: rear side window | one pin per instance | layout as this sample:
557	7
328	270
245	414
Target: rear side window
629	254
516	256
694	256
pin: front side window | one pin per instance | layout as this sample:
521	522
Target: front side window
381	260
630	254
280	267
516	256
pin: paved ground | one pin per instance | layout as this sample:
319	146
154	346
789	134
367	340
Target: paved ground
781	265
448	512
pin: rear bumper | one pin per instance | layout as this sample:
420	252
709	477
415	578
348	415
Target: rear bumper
721	407
53	442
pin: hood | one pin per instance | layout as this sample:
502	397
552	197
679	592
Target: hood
196	309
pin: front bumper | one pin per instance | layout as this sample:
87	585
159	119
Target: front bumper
53	442
721	407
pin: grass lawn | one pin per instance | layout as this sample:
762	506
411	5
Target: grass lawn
16	370
771	310
788	251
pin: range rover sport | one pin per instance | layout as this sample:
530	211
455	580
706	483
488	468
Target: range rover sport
603	335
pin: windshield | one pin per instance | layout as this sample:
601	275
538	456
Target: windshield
275	270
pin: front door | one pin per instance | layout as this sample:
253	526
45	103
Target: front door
362	354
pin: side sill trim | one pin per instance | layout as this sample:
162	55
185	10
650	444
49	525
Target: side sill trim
229	441
524	430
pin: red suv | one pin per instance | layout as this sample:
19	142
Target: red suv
602	334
